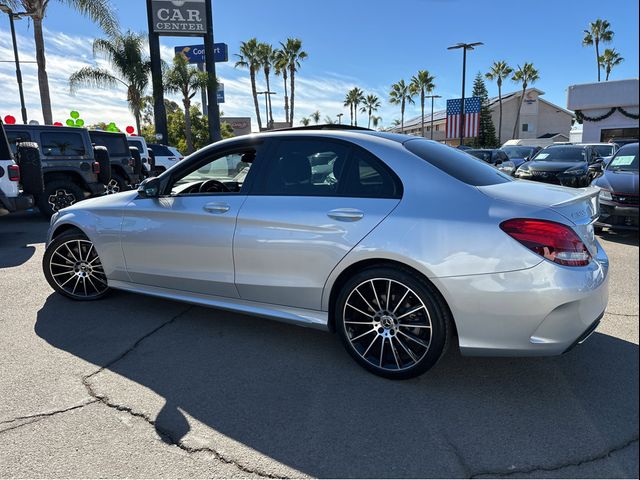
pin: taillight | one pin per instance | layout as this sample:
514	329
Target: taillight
96	167
551	240
14	173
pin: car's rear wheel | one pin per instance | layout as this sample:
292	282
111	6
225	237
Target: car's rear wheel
73	268
57	195
117	184
392	323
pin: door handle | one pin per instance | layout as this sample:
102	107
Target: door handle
216	207
346	214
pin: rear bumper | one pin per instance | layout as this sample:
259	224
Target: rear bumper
618	216
15	204
543	310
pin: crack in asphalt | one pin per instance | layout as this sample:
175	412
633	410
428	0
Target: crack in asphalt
164	434
622	314
40	416
553	468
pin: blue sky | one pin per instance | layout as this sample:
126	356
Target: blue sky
370	44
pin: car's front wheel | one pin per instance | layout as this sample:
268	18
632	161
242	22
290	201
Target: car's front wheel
73	268
392	323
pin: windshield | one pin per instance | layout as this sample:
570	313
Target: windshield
626	159
561	154
518	152
604	150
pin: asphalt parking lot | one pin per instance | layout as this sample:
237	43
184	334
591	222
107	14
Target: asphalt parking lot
132	386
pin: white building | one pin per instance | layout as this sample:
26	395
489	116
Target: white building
608	110
539	118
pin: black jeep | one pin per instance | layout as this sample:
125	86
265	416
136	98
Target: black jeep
126	162
61	167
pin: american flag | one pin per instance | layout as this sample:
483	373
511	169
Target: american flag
471	117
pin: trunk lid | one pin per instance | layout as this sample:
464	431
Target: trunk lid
578	205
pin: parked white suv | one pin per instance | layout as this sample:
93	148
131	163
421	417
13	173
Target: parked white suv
141	144
11	198
165	156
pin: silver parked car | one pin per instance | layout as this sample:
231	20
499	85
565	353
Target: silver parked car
393	241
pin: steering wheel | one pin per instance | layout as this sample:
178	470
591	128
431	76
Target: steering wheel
213	186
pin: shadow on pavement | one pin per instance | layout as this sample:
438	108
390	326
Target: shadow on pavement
294	395
18	233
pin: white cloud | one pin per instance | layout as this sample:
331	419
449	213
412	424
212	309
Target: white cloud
68	53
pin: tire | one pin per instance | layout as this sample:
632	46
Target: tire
28	158
57	195
73	268
598	230
116	184
101	155
392	349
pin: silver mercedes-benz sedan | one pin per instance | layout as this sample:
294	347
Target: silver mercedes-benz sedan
397	243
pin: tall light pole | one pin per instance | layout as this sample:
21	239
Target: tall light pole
6	9
340	118
266	94
432	97
464	47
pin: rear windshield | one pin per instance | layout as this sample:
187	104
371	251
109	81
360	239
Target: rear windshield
62	144
457	163
161	150
137	144
562	154
604	150
16	136
484	155
116	144
518	152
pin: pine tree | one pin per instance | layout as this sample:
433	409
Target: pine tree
487	132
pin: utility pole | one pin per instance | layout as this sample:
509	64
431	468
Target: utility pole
6	9
432	97
464	47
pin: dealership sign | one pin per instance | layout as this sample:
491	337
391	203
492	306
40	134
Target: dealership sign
195	53
179	17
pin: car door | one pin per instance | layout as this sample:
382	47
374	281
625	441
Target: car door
316	199
183	239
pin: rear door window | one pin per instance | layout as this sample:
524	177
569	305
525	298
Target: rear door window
62	144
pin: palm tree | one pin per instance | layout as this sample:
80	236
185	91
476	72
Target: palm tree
267	59
609	59
357	98
599	31
401	94
315	116
249	58
187	81
305	121
423	83
99	11
330	120
498	72
348	102
375	121
527	74
293	50
281	67
370	104
129	67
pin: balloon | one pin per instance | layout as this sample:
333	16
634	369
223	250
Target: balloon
10	120
74	114
70	122
130	130
57	124
79	122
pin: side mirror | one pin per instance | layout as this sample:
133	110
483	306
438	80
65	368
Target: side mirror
149	188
